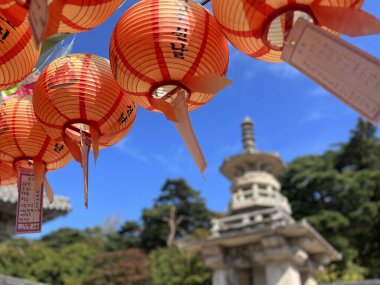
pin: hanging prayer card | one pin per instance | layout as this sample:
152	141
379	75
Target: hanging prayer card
350	74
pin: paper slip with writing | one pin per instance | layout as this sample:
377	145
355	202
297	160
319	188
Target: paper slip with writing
38	19
29	205
347	72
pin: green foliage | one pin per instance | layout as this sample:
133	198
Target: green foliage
168	266
128	236
59	264
190	208
66	236
123	267
339	193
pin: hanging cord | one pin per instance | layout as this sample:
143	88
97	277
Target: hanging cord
204	2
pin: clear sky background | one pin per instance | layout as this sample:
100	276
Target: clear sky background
292	116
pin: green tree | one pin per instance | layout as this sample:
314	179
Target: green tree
339	193
178	211
169	266
128	236
67	236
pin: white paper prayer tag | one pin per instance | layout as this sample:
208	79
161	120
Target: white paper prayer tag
350	74
187	133
38	19
85	149
29	205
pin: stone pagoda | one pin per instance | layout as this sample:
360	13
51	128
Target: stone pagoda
258	242
8	201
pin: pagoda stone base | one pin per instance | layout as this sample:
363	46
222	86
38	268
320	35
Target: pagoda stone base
283	273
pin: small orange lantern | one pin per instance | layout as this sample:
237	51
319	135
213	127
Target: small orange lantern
77	101
23	140
162	50
258	28
18	55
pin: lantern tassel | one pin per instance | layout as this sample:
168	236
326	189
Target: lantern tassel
186	131
85	150
349	21
208	83
74	149
38	173
164	107
95	134
49	190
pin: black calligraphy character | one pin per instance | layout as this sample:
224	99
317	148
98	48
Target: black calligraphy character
178	52
182	36
58	147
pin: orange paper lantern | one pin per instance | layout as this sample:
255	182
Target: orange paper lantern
18	55
75	16
258	27
22	139
77	95
170	56
15	11
159	43
8	174
79	91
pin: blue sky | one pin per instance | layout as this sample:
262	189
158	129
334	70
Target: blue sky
292	115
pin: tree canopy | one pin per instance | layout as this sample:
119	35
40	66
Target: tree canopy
339	193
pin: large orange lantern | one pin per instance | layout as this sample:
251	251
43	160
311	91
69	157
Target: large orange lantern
259	28
18	55
23	141
8	174
164	50
15	10
78	102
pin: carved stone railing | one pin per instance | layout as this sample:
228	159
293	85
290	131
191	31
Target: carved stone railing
267	218
259	197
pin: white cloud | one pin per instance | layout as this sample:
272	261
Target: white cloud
314	116
283	70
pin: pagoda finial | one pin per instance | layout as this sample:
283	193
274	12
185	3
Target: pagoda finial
248	137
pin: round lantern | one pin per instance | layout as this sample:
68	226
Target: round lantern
15	10
18	55
8	175
258	28
23	140
68	16
163	49
77	96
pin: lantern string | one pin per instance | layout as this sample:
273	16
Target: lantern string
349	21
204	2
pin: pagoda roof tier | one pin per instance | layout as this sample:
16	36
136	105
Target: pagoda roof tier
8	200
235	166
